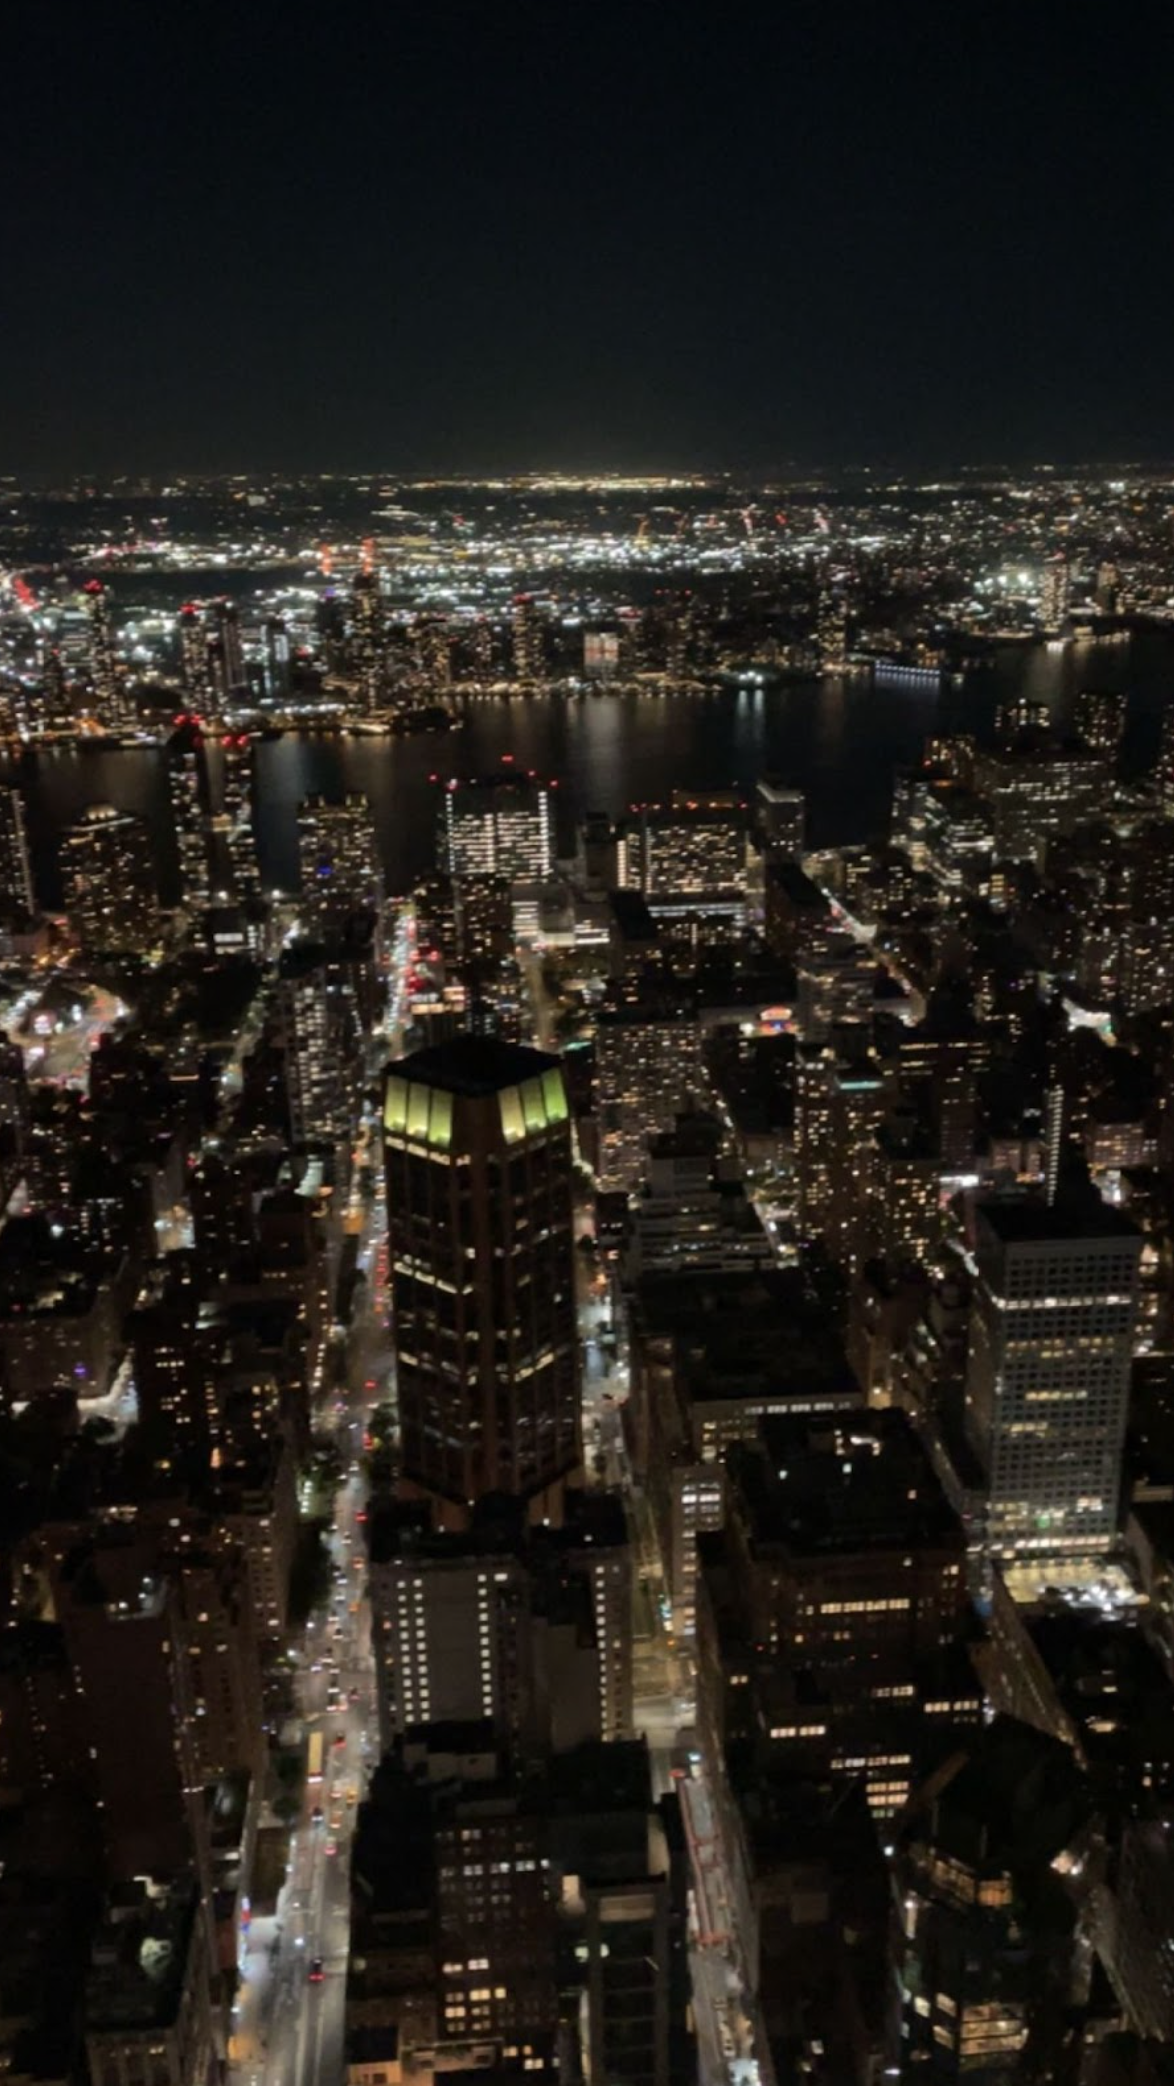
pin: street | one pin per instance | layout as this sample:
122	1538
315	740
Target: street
290	2024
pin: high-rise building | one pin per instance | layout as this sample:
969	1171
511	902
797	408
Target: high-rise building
527	1626
107	870
321	1032
1164	765
277	659
847	1577
16	874
339	856
228	676
831	630
1052	1336
976	1850
187	785
781	815
496	825
1036	791
648	1066
111	700
232	821
691	853
367	636
432	651
1055	594
193	654
529	660
1101	715
1107	591
601	654
477	1138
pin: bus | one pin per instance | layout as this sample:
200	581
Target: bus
314	1762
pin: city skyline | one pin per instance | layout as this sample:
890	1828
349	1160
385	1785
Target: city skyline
587	1048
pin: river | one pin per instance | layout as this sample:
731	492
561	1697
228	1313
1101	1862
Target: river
837	739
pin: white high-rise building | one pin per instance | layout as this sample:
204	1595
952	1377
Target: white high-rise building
497	825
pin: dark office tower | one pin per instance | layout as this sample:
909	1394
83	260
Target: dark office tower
478	1146
16	876
781	816
529	661
367	638
331	626
339	857
187	786
1052	1335
110	697
831	631
15	1117
233	682
978	1850
1100	719
109	880
1164	767
939	1066
193	653
10	740
277	659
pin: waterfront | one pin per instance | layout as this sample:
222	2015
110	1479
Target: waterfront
837	739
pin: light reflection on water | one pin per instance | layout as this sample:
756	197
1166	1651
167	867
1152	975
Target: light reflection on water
839	739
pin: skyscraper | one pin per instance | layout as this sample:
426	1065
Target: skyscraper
16	876
187	785
1055	592
648	1066
233	820
529	664
226	656
496	825
1100	719
339	856
366	638
107	871
1164	767
193	653
478	1147
781	816
110	698
277	659
1047	1388
831	631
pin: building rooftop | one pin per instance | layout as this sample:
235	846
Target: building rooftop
139	1957
474	1065
841	1483
1024	1220
746	1335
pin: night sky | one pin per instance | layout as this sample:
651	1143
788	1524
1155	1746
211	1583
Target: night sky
515	236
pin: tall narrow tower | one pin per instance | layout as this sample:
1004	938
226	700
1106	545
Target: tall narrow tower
110	697
478	1146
